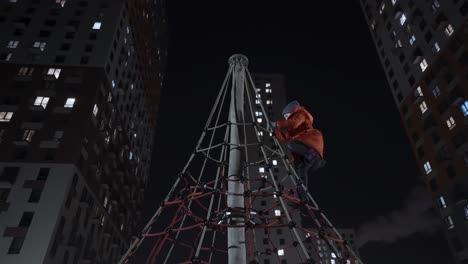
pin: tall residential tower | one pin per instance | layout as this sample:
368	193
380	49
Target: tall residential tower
423	47
81	82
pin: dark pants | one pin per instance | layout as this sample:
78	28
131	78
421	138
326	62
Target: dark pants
303	165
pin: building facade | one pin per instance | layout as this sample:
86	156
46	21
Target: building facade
423	47
81	83
278	245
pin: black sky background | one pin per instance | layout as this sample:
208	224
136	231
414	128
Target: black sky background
330	65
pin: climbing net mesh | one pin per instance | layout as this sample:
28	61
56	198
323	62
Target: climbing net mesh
281	221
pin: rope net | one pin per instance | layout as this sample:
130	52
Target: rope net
281	221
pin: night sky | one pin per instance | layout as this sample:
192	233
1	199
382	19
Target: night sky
330	65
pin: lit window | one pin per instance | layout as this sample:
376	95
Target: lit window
402	19
333	255
394	2
130	155
54	72
398	44
25	71
39	45
12	44
109	97
423	107
450	123
268	90
106	201
277	212
128	30
442	202
58	134
258	113
423	65
69	103
280	252
7	57
132	86
102	220
97	25
267	85
373	24
260	133
435	6
419	91
427	167
435	48
382	8
465	209
261	170
259	120
257	101
269	102
332	261
412	40
348	261
464	108
41	101
449	30
6	116
60	2
436	91
95	110
121	227
258	96
28	134
274	162
449	222
258	90
113	84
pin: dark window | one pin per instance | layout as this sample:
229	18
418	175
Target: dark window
265	241
411	80
9	174
92	36
70	35
35	196
281	241
457	245
399	97
84	60
433	185
435	138
50	22
65	46
428	36
283	261
464	9
50	154
420	152
422	24
18	32
395	84
15	246
89	48
26	219
279	231
406	68
4	192
451	172
43	173
60	59
263	203
266	261
44	34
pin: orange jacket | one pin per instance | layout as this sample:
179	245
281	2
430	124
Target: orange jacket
299	127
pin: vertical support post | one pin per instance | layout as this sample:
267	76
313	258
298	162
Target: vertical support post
235	188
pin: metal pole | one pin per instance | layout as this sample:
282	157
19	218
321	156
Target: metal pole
235	199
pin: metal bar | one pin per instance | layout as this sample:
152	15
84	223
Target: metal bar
236	235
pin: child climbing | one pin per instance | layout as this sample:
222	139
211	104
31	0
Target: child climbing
304	141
